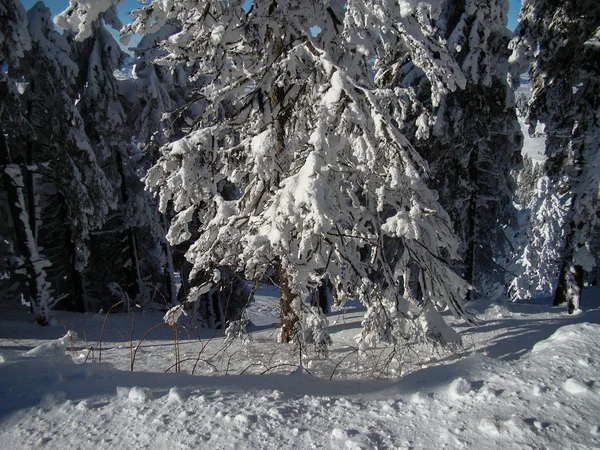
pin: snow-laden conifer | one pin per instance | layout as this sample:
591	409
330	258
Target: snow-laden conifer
129	238
540	257
561	41
65	192
297	163
14	35
449	61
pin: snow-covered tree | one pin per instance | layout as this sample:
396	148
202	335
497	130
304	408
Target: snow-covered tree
165	101
63	192
297	163
14	41
527	181
14	36
126	255
68	186
561	41
165	105
450	61
539	259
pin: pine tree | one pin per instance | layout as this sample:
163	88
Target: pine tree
539	258
561	40
14	41
126	257
64	194
450	61
296	163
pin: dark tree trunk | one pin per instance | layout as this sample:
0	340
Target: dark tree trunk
319	296
570	279
288	317
76	280
134	285
412	288
322	295
472	223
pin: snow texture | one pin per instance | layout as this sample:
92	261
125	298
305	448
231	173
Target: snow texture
527	378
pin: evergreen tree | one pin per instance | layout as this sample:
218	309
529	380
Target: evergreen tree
70	204
561	41
450	61
15	267
296	163
539	257
64	192
125	257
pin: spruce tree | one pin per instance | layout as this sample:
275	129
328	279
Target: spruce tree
65	194
450	63
560	39
296	163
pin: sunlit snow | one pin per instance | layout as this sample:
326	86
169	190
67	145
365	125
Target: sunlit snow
527	377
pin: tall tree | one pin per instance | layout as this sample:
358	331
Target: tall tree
297	164
61	190
561	41
126	255
450	61
14	41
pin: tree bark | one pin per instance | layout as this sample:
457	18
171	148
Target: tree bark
570	279
472	223
76	281
322	294
135	284
319	296
288	317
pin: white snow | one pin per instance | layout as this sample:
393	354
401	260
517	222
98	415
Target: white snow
527	377
534	145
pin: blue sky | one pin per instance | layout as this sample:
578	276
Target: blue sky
57	6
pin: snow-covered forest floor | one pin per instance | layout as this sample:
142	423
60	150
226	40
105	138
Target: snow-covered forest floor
526	377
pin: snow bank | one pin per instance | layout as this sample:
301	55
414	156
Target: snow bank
549	398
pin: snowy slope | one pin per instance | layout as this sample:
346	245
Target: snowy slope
527	377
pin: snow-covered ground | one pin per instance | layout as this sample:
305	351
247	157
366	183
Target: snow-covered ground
534	145
526	377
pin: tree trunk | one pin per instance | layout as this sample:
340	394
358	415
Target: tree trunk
570	279
472	223
319	296
135	285
412	288
23	233
76	280
288	317
322	294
